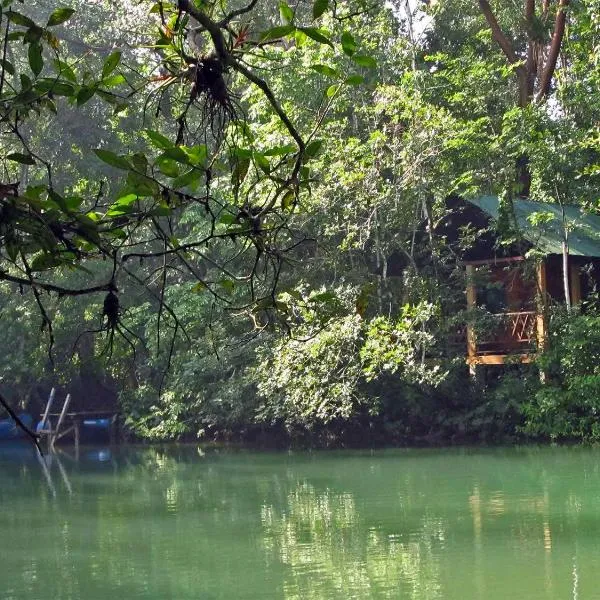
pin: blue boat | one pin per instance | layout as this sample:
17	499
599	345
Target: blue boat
9	430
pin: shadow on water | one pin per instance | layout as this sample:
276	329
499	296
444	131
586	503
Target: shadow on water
186	522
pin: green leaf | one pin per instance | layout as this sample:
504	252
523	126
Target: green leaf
19	19
262	162
288	199
110	64
348	43
239	171
317	35
33	34
158	140
362	60
276	33
126	200
84	94
24	159
112	159
73	202
58	88
354	80
197	155
36	61
325	70
313	148
286	13
113	80
227	219
178	154
319	7
300	38
188	178
65	70
59	15
26	83
227	285
43	262
7	66
280	150
167	166
332	90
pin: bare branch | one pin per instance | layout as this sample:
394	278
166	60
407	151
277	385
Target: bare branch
236	13
50	287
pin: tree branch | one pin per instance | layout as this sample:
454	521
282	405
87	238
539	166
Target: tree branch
50	287
236	13
497	33
216	35
530	65
508	50
555	46
20	424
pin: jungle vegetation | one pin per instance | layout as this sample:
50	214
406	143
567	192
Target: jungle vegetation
221	217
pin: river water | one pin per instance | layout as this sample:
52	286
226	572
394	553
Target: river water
181	522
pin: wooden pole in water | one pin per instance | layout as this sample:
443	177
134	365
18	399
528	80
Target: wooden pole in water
63	412
48	406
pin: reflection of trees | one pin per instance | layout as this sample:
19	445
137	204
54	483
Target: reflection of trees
330	553
168	523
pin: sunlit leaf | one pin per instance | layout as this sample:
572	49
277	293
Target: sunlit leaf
159	140
325	70
317	35
59	15
112	159
286	13
348	43
276	33
363	60
110	64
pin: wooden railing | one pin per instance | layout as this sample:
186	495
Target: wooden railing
512	332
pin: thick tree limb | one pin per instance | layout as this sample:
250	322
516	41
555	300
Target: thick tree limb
530	65
555	46
497	33
507	49
216	35
20	424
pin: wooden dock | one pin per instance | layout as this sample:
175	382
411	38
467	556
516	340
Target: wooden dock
56	425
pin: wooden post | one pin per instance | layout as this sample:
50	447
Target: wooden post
541	304
471	304
575	282
77	424
63	412
48	407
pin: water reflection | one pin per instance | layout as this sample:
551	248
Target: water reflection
421	525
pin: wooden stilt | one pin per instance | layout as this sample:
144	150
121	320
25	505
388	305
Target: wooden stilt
77	425
45	424
61	418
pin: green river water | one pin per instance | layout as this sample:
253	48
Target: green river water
180	522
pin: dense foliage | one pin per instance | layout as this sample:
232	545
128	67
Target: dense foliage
227	218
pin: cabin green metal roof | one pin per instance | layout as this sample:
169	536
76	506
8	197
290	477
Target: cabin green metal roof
583	228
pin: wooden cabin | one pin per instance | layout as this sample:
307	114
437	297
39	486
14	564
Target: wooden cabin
513	284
